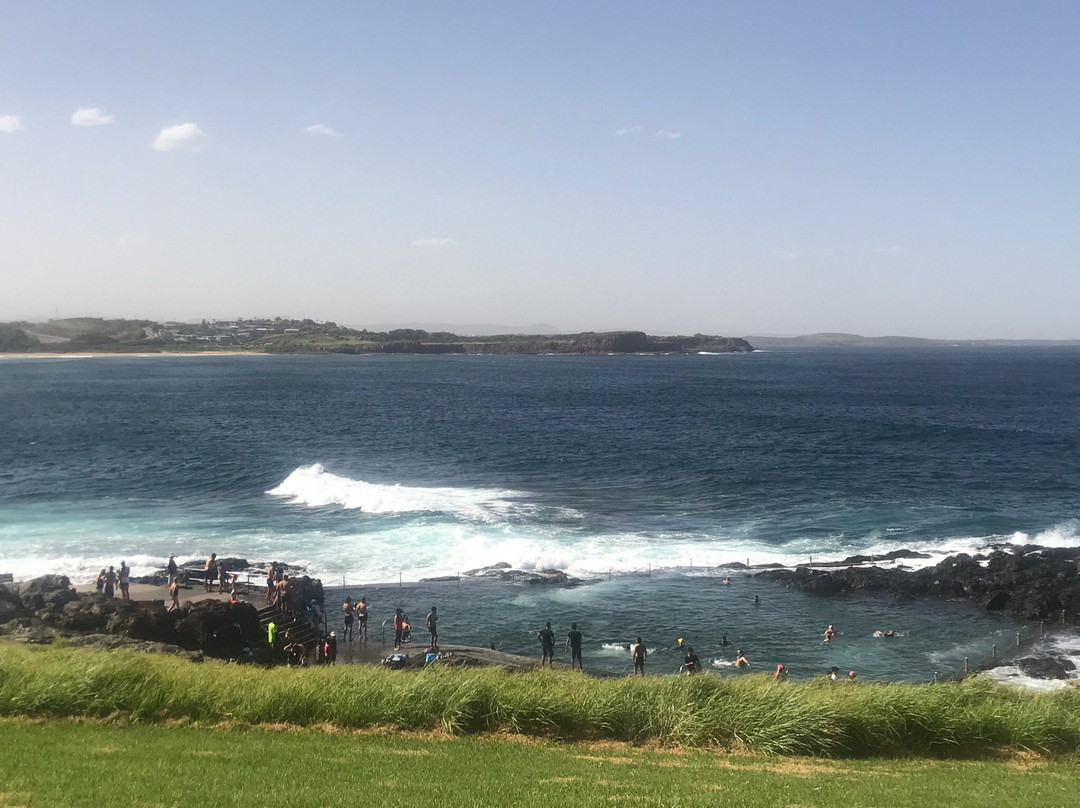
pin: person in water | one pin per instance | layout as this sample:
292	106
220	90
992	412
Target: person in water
573	642
740	660
546	638
724	641
640	654
830	632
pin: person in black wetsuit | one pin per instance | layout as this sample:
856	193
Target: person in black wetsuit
546	638
573	642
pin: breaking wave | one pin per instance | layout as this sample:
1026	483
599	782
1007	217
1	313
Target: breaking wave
316	487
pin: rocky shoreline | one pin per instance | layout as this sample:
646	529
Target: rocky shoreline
1029	581
48	608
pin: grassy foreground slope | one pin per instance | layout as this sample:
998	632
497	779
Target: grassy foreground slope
751	714
87	765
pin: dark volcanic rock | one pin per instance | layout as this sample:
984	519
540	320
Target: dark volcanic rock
503	572
218	627
1045	668
1029	582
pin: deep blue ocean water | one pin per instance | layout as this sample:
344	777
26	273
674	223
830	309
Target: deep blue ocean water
653	471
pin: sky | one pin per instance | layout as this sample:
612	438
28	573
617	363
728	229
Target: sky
734	168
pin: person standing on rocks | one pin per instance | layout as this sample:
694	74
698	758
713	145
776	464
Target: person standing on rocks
432	627
209	571
640	654
573	642
99	582
110	583
125	581
546	638
174	593
172	569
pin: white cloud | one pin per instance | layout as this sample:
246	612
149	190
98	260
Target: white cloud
186	136
627	130
10	123
666	135
433	243
90	116
322	129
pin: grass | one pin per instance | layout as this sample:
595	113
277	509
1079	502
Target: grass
753	714
76	764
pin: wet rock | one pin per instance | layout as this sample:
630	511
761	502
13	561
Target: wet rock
504	572
1030	582
1045	667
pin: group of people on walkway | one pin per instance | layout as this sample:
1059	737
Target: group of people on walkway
107	580
357	612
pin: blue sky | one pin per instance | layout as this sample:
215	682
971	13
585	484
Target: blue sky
733	168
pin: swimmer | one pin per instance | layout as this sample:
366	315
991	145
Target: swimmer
740	660
724	641
756	601
830	632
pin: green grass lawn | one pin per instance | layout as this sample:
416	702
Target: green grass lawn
63	763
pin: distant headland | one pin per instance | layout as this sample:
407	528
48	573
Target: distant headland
280	336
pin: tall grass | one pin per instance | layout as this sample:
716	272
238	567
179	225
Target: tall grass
753	713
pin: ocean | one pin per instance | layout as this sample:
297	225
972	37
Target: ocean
649	474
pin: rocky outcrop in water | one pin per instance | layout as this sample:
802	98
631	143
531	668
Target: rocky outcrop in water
504	572
1030	582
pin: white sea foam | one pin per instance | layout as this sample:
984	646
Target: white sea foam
1062	646
316	487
